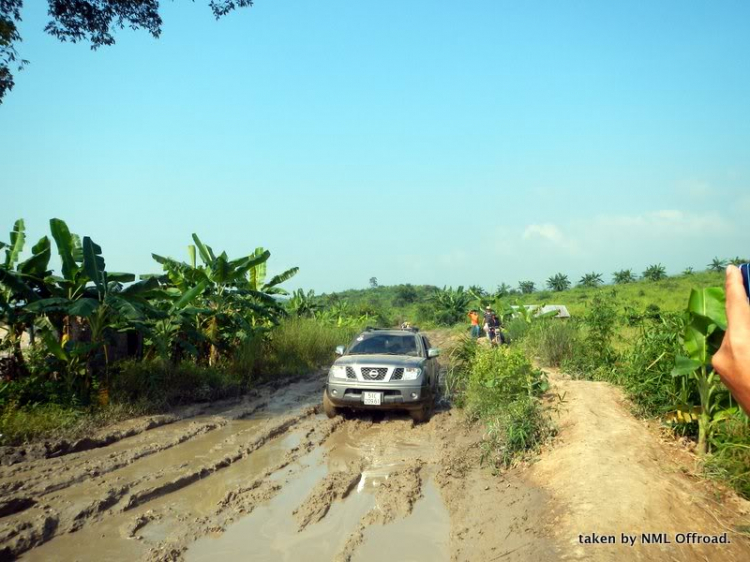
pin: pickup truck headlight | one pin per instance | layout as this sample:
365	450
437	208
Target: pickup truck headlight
412	373
337	372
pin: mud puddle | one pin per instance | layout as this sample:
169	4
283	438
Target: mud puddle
422	536
356	492
171	518
270	533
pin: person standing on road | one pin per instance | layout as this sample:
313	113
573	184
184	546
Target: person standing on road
732	361
474	318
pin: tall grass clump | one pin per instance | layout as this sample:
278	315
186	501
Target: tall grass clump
552	341
301	345
645	368
163	384
500	388
730	459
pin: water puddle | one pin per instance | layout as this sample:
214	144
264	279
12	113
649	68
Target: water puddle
421	537
269	533
174	513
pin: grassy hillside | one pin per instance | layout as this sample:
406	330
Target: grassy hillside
669	294
390	305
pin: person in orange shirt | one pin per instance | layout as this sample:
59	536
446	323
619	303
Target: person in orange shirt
474	318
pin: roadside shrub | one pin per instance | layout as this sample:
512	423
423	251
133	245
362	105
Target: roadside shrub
521	427
552	341
645	369
460	360
498	376
500	388
595	355
730	460
21	424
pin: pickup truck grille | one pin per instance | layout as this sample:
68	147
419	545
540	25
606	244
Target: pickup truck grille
398	374
350	374
373	373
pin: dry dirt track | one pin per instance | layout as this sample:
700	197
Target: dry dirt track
270	478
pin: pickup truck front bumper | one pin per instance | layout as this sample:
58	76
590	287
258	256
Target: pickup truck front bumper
351	395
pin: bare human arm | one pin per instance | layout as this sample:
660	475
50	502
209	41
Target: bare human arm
732	361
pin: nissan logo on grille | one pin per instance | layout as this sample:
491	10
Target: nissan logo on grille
373	372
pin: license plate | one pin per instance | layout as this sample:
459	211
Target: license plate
372	398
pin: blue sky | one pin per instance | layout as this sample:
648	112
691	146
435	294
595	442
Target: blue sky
422	141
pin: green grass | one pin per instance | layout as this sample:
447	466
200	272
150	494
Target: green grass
670	294
19	425
499	387
301	345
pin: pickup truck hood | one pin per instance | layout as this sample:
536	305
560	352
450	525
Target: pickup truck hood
381	360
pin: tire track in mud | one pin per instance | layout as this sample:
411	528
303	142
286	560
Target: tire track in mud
273	479
114	482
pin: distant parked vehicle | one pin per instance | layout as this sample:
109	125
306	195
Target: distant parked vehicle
384	370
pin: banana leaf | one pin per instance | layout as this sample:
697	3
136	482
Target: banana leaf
66	245
36	265
93	263
17	241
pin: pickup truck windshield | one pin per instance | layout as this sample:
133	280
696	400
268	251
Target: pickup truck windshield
385	344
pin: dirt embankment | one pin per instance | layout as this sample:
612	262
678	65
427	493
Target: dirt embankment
609	473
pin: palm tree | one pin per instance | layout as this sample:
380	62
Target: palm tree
526	287
591	280
717	264
477	291
558	282
623	276
687	271
655	272
503	290
738	261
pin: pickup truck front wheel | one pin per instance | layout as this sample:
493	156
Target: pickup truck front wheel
328	407
424	413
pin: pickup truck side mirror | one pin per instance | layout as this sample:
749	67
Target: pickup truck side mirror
340	350
433	352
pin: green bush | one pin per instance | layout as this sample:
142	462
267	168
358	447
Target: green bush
730	460
552	341
499	386
645	369
521	427
21	424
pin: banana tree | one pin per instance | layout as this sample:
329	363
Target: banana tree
451	304
236	299
20	284
94	296
701	338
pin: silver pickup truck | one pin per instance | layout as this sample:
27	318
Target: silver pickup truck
385	370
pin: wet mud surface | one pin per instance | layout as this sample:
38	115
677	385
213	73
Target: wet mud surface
268	477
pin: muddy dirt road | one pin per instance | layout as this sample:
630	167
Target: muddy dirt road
270	478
